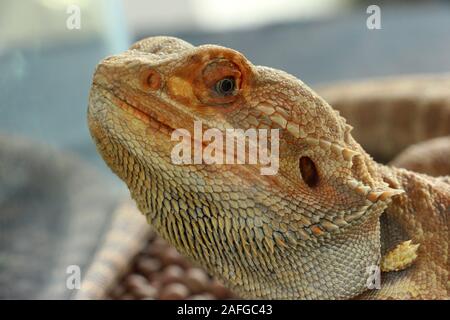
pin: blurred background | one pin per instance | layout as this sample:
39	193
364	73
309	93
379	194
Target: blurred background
56	194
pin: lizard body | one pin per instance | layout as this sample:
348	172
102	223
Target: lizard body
281	236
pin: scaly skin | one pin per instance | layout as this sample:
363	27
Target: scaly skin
264	236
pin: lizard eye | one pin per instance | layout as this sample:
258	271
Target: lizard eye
219	83
308	171
225	87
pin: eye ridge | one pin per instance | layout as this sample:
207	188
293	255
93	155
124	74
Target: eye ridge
226	86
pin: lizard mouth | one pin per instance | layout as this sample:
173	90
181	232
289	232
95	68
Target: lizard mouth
151	121
144	116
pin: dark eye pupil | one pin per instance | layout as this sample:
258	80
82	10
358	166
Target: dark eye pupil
225	86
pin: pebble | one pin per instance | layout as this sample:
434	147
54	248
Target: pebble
203	296
148	265
196	280
173	273
174	291
160	272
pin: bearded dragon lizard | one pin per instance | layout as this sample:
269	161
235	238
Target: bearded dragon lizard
315	230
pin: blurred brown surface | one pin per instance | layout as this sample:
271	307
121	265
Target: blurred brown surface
160	272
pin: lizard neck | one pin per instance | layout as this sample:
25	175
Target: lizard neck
241	245
335	266
417	215
424	203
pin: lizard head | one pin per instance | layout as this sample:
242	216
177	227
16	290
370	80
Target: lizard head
308	230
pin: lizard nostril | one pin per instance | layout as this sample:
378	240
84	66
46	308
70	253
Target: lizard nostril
308	171
152	80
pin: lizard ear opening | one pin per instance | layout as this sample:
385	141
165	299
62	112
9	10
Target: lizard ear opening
308	171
